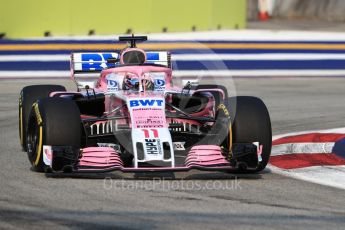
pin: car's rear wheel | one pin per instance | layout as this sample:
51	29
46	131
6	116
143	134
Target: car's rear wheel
251	123
28	96
55	122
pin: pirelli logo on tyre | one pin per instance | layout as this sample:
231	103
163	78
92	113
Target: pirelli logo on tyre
37	113
21	99
225	110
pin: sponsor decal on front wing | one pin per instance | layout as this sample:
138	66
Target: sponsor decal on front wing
179	145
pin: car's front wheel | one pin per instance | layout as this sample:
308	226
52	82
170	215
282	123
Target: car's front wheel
251	123
54	122
28	95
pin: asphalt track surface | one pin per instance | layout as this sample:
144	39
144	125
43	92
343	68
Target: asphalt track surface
200	200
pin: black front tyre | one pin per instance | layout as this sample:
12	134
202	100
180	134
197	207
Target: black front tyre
28	96
55	122
251	123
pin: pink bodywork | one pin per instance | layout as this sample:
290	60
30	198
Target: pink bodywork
100	157
207	156
199	156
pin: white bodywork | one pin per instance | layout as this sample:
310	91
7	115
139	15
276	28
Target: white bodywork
150	129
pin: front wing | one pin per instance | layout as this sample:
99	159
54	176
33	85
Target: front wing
107	159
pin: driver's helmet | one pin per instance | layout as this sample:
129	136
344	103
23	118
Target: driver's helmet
131	82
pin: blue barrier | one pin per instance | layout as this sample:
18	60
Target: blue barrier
8	48
195	65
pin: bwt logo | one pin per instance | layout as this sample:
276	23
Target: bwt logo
112	83
159	82
146	102
96	61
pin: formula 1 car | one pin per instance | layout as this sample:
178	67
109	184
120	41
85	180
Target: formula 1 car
134	119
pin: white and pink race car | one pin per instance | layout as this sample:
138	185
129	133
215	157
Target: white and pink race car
133	118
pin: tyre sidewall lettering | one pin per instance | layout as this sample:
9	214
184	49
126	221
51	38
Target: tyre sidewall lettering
38	114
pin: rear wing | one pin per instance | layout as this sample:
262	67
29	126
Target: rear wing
85	67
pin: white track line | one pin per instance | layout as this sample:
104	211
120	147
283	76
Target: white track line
196	74
333	176
306	148
256	57
259	73
34	57
34	74
335	130
190	57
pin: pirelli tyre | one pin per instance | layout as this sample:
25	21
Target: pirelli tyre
54	122
250	123
28	96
